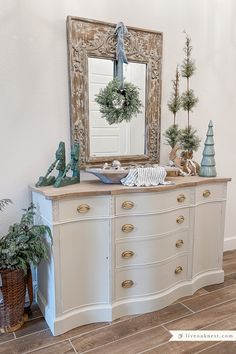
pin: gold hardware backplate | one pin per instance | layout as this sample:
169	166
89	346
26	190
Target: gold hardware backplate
83	208
127	205
127	228
180	219
181	198
206	193
178	269
179	243
127	284
127	254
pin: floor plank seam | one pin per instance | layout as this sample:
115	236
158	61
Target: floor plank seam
205	349
119	339
178	318
156	346
35	318
44	346
216	322
210	307
72	346
106	325
89	332
188	308
30	334
6	341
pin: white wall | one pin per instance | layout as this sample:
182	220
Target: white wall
34	106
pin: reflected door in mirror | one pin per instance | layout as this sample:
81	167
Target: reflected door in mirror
126	138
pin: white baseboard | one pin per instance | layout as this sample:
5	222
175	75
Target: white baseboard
230	243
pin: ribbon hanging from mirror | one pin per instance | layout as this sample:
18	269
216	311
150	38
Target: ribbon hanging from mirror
120	32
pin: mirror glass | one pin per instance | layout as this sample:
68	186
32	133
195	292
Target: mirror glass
91	58
126	138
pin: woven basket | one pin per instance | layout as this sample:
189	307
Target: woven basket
12	299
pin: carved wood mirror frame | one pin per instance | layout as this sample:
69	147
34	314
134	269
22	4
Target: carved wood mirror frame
90	38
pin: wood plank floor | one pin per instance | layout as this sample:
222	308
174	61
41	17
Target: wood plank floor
211	308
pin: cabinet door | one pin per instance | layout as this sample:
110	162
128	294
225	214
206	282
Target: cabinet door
84	268
208	237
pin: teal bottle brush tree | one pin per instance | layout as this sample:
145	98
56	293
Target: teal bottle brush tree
208	156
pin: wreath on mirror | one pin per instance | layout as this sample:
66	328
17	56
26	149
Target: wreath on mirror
119	104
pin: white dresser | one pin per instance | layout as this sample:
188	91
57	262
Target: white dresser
126	250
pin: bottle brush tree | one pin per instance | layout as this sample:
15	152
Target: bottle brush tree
174	104
188	137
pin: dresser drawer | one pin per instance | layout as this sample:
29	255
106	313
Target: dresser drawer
209	192
81	208
151	202
151	279
146	251
151	225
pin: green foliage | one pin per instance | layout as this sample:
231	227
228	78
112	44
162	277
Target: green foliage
117	105
4	203
188	100
24	243
188	139
172	135
188	67
174	104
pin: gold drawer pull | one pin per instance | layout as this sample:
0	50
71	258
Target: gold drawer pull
178	269
181	198
179	243
206	193
127	205
127	284
83	208
127	254
127	228
180	219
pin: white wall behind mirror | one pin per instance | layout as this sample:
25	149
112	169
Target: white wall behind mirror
126	138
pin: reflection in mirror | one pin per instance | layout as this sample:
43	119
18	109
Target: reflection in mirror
126	138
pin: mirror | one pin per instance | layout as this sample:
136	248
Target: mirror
115	139
91	55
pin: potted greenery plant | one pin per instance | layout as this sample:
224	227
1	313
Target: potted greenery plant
24	244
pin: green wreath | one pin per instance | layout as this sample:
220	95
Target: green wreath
117	105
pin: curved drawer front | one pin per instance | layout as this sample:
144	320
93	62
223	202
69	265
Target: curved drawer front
150	280
151	202
210	192
151	225
147	251
81	208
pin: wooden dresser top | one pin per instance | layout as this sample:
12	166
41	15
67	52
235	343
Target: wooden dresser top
95	187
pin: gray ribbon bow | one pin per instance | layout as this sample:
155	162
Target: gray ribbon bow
120	32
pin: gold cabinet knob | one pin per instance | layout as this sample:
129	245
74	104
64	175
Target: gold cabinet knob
181	198
83	208
127	205
178	269
180	219
206	193
179	243
127	254
127	284
127	228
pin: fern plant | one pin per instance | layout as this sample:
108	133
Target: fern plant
25	243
